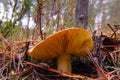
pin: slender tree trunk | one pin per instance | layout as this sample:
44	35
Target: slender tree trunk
39	17
82	13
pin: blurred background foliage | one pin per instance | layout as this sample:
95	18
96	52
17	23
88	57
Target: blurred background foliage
19	18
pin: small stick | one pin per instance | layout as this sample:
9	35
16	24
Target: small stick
114	32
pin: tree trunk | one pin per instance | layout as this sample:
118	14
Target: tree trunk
82	13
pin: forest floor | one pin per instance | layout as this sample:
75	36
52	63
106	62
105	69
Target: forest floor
16	65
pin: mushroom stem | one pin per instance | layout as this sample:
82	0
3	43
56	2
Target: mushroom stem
64	63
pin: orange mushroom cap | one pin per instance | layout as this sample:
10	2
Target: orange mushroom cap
63	44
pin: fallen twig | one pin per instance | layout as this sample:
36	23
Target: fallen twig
69	75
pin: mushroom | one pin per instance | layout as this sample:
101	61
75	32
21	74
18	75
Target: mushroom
63	45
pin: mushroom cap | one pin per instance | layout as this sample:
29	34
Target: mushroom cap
73	41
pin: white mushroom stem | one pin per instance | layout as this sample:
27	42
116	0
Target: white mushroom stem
64	63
